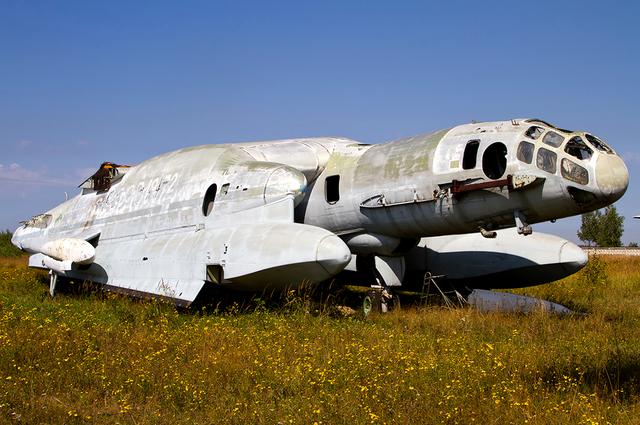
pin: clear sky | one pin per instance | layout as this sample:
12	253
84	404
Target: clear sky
83	82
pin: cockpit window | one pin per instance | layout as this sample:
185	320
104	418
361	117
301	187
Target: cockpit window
102	180
534	132
537	121
525	152
578	148
553	139
572	171
598	144
41	221
546	160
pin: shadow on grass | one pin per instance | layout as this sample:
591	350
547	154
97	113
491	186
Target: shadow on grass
309	299
329	299
212	300
617	379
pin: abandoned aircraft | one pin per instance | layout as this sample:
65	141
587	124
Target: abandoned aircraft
248	216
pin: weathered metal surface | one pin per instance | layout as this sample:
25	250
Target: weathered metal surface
509	260
278	213
42	261
75	250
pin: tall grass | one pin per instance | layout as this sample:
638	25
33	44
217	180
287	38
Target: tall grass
6	247
99	358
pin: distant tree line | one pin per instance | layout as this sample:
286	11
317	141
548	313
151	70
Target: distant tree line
602	229
6	247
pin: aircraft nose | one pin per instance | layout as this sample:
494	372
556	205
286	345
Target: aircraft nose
333	254
612	176
15	238
572	257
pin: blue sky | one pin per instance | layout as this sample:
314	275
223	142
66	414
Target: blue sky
85	82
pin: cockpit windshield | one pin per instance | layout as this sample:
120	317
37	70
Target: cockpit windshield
576	147
598	144
553	139
558	151
534	132
546	160
572	171
41	221
537	121
108	174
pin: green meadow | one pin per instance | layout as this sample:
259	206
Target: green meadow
90	357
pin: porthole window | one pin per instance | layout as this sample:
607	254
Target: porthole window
546	160
553	139
494	160
525	152
572	171
209	199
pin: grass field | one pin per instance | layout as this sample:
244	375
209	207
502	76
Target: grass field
95	358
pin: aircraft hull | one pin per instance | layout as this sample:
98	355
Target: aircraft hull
509	260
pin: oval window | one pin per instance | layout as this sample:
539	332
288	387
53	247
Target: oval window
209	199
494	160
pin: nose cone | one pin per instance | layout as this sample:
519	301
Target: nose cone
612	177
333	254
15	238
572	257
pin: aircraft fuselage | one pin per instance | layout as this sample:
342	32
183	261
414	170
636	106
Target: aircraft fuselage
250	214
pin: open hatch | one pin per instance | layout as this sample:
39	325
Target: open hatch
102	180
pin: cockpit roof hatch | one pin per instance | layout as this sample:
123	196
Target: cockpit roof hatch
538	121
107	174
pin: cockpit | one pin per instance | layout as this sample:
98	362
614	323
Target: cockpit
102	180
549	143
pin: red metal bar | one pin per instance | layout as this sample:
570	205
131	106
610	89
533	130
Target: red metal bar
459	187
